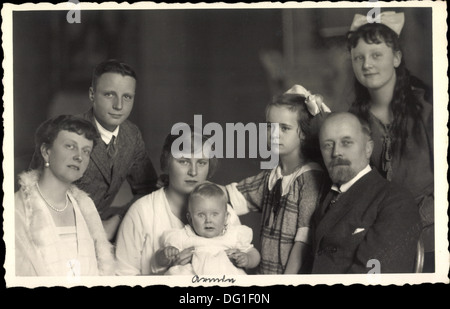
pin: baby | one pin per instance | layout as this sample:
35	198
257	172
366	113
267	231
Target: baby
219	248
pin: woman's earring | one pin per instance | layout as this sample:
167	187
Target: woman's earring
46	164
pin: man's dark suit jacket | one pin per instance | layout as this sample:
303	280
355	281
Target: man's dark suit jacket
374	219
131	163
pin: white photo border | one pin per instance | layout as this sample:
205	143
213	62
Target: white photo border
441	99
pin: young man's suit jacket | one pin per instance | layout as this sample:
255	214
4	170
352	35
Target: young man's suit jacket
373	220
131	162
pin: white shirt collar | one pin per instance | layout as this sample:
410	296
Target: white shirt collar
105	134
287	180
344	187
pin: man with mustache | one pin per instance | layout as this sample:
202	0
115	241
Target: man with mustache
363	220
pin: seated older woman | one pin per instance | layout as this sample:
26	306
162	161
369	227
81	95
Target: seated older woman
58	229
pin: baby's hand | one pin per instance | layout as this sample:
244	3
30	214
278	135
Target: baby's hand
239	258
171	253
184	257
165	256
230	252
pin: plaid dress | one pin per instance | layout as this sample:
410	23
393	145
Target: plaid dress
287	204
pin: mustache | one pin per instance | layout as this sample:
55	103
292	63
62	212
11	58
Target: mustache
339	161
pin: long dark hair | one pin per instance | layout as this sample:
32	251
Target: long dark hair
405	103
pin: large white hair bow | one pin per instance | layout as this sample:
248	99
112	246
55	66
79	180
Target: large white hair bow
393	20
314	102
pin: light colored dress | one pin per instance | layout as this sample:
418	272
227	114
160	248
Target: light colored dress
69	245
139	235
209	257
43	249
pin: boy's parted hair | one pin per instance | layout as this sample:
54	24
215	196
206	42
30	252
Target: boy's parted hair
47	132
307	123
208	190
111	66
404	102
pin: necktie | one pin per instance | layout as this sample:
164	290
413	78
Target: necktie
334	198
111	149
275	201
276	196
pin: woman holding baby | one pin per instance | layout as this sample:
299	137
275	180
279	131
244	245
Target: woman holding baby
140	248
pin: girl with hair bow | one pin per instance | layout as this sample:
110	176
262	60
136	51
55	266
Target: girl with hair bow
395	104
314	102
286	195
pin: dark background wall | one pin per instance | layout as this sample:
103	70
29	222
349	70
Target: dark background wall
188	62
222	64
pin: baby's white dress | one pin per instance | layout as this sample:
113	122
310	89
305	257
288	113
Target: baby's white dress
209	257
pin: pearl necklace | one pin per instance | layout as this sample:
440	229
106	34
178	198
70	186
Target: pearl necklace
49	205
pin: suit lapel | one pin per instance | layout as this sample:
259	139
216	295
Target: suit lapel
344	204
123	145
99	156
324	204
332	216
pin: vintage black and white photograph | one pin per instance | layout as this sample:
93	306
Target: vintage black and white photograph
230	145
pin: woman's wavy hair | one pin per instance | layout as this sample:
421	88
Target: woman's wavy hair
404	103
307	123
166	154
47	132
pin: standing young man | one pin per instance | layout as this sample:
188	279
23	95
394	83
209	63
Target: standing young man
119	153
